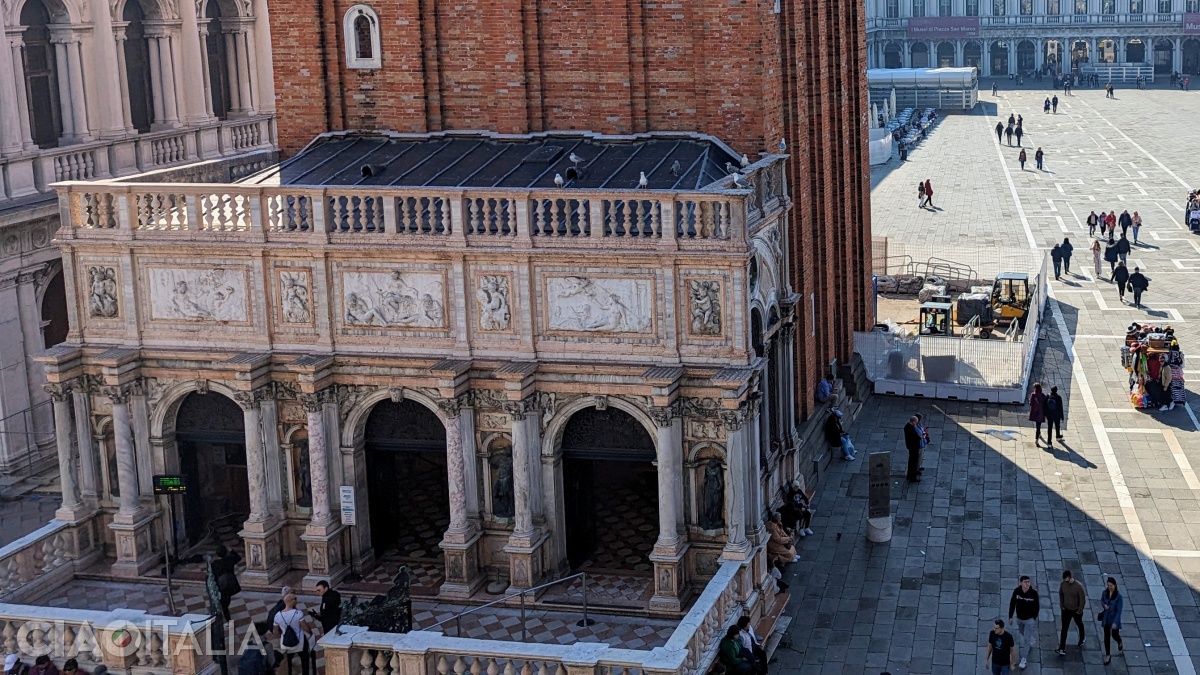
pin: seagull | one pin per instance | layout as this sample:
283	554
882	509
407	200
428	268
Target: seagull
737	180
730	167
782	145
643	182
558	180
745	161
1002	434
676	169
575	159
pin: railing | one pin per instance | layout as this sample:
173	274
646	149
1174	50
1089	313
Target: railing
689	650
30	429
150	645
1026	20
33	557
457	618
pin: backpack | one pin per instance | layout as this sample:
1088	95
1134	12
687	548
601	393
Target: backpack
290	639
1051	406
290	642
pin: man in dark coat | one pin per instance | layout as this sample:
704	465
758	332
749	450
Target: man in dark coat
1138	283
1066	249
1120	277
912	441
999	131
1111	256
834	433
1125	221
330	612
1123	248
224	570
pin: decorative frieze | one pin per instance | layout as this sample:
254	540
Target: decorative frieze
599	305
198	294
394	299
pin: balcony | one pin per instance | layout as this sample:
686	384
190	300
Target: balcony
1027	21
30	175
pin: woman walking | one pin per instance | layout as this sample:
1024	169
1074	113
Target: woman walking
1111	255
1110	222
1021	158
920	194
928	193
1120	277
1096	255
1110	618
1092	221
1137	225
1037	412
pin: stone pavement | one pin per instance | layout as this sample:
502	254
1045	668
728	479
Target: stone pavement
1119	498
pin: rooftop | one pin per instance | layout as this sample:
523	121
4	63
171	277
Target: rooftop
671	161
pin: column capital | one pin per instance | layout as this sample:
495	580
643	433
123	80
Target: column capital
252	400
316	401
517	410
453	406
119	394
664	416
60	391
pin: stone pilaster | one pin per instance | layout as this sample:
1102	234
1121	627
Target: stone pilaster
72	507
131	525
669	550
327	561
262	532
737	547
461	541
525	547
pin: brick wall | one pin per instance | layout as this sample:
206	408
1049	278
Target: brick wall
735	69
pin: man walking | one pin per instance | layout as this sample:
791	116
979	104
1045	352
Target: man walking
1072	598
1037	157
1056	258
1123	248
1054	104
1138	283
1055	414
1026	604
1008	134
912	442
1066	249
330	613
1120	277
1019	133
999	132
1001	650
1125	221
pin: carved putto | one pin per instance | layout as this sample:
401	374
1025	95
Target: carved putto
705	300
198	294
599	305
102	291
493	302
294	297
402	299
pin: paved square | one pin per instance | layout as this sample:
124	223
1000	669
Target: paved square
1119	498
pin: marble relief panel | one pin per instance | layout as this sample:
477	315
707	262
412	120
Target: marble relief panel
201	294
394	299
102	284
294	293
599	304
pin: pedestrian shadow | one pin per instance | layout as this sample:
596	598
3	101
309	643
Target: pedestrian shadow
1147	247
1069	455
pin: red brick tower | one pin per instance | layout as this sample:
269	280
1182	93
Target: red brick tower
749	72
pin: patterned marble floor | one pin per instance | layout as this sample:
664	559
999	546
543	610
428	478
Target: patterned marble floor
626	527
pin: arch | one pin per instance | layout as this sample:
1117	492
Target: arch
1191	56
149	9
999	57
756	331
220	93
137	67
919	53
1026	56
41	73
945	55
1106	50
1052	53
162	417
360	29
973	54
552	441
893	55
59	11
210	449
53	304
356	419
1164	56
1135	51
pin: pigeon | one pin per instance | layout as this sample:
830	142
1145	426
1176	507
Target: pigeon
782	145
643	182
576	159
676	169
1002	434
558	180
745	161
729	167
737	180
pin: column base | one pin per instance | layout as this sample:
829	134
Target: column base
136	546
739	552
670	582
21	180
326	559
525	565
264	552
462	565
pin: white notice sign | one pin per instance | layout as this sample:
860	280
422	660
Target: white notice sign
348	512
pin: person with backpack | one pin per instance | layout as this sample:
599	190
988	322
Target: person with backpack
1055	414
294	633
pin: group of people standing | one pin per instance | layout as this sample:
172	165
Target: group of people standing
1015	128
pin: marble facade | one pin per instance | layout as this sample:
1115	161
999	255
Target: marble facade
504	338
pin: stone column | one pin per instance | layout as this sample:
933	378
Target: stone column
262	532
166	54
126	461
1177	55
323	535
156	86
255	460
738	447
18	65
105	74
236	101
131	525
958	54
79	115
123	78
10	131
205	69
247	71
524	558
318	461
670	584
193	58
90	483
460	543
64	87
986	56
64	423
263	63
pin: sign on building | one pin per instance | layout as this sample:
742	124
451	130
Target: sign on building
943	27
349	512
879	504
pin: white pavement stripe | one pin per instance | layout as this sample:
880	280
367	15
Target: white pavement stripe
1185	467
1144	152
1017	200
1133	430
1174	553
1130	409
1191	414
1137	536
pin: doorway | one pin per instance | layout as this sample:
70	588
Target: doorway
41	76
893	57
945	55
1026	57
610	485
972	55
407	491
210	436
1164	57
999	53
1135	52
1191	56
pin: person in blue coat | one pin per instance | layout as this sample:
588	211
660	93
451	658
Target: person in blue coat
1110	618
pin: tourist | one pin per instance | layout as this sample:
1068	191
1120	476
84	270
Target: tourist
1021	158
1001	649
797	509
1046	106
912	442
258	659
278	606
1111	256
836	436
44	666
1138	283
903	151
1125	221
1096	255
1109	92
994	89
224	571
1037	412
752	643
1123	248
999	131
928	193
330	613
921	194
1056	258
1019	133
1067	250
1092	221
1054	104
780	550
1008	133
733	655
1055	413
1110	223
1137	226
1011	119
924	441
1072	598
1026	604
825	390
14	666
1037	157
1120	277
1110	618
293	631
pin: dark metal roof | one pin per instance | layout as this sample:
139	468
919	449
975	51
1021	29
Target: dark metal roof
484	160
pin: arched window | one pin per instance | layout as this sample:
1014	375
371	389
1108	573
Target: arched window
137	67
361	32
41	76
218	62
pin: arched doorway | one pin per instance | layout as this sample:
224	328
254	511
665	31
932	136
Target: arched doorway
893	56
407	484
1135	51
137	68
1026	56
41	76
610	485
1052	54
1164	57
54	311
1106	51
1191	56
210	437
1079	53
999	53
973	55
945	55
920	55
218	62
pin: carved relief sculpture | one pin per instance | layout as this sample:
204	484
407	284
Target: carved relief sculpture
294	297
197	295
705	296
493	302
102	292
599	305
405	299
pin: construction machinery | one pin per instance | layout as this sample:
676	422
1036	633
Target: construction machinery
937	319
1010	299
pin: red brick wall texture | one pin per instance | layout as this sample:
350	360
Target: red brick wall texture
746	71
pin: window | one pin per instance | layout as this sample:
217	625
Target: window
945	7
1053	7
1081	6
1135	7
1108	6
1026	7
1164	6
918	8
893	9
361	31
41	76
972	8
998	7
1193	6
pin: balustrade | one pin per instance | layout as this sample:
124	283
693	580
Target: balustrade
32	557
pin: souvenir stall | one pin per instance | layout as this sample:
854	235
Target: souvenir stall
1155	363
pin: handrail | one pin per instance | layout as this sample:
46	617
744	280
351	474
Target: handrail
457	618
